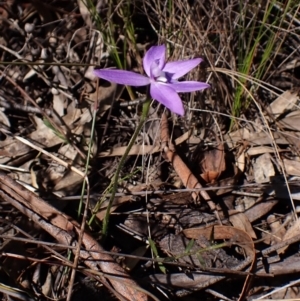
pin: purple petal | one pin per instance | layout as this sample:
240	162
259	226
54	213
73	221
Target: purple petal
167	96
123	77
154	54
188	86
180	68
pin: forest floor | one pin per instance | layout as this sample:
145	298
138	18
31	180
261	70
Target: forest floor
96	202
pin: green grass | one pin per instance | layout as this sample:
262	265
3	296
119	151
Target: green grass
108	32
261	37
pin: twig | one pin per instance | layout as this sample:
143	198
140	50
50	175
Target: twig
186	176
65	229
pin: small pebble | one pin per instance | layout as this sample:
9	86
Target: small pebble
29	27
53	41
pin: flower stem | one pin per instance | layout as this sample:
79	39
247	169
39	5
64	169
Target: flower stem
115	179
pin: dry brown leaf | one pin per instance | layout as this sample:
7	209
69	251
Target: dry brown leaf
292	167
85	13
263	169
260	138
11	148
237	236
259	210
212	163
240	162
290	233
291	121
288	293
288	265
43	135
141	149
74	115
136	150
240	220
284	102
277	229
130	263
105	96
258	150
66	181
59	103
118	201
78	122
48	284
3	119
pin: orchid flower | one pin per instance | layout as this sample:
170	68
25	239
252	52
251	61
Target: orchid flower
161	76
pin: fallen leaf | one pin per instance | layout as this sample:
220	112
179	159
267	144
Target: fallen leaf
261	138
291	121
290	233
85	13
236	236
263	169
277	229
211	161
258	150
284	102
259	210
292	167
240	220
118	201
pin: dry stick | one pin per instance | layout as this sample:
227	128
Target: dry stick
79	243
62	236
65	229
186	176
194	281
31	239
280	245
60	161
15	106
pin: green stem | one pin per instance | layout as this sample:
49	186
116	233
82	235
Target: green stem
115	179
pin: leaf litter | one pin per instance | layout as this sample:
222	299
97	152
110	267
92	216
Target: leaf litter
200	203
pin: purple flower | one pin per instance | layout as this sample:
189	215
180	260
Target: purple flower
161	76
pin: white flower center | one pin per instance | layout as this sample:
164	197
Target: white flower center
162	78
